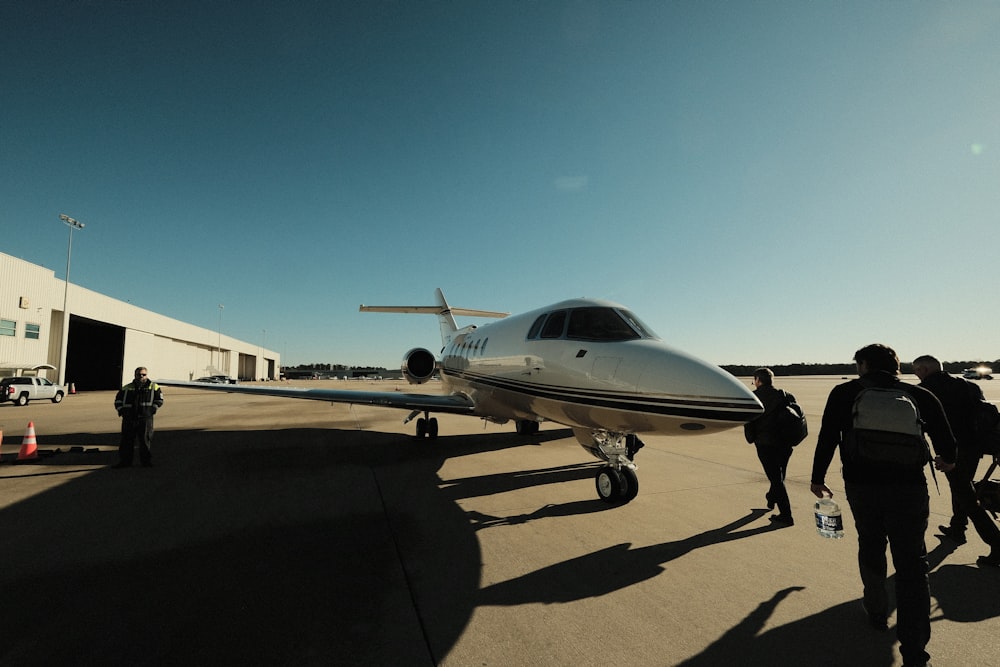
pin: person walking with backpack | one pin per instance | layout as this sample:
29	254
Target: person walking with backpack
960	398
774	448
877	422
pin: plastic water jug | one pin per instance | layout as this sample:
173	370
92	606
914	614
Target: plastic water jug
829	522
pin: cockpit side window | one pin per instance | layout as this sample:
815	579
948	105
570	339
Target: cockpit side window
554	325
536	327
638	324
599	323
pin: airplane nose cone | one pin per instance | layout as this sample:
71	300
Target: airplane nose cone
698	389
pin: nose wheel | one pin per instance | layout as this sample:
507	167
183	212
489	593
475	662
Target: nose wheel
616	485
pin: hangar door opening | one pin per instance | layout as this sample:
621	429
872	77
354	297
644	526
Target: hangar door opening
248	367
94	354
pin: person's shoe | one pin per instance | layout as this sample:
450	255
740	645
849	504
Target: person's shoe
878	621
782	519
770	503
122	465
954	534
993	560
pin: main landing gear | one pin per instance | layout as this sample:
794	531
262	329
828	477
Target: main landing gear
427	426
617	481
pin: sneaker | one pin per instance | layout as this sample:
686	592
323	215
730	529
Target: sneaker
770	503
783	519
878	621
993	560
954	534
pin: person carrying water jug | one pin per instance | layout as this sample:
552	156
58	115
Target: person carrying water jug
878	423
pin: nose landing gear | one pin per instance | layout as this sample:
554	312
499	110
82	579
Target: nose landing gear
617	482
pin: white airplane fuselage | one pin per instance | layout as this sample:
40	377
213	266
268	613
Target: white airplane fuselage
587	364
627	386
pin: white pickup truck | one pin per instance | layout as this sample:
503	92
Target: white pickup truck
20	390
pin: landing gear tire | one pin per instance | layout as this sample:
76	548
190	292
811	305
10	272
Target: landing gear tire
526	427
427	428
610	485
631	481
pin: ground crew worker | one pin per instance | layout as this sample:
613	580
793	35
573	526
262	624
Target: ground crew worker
136	404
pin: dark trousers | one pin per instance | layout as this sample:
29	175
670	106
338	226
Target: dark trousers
896	513
965	506
775	463
136	429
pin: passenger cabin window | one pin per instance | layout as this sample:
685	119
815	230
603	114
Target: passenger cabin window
554	325
599	324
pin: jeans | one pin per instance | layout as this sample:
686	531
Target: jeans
896	513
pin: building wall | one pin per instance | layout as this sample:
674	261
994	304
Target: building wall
169	348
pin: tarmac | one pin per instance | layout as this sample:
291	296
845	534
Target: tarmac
273	531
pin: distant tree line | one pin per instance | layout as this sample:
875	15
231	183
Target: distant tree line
741	370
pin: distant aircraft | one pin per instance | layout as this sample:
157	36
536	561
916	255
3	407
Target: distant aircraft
588	364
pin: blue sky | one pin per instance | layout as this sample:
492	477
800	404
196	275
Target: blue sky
761	182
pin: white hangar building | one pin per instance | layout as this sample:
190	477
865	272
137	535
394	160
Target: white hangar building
108	338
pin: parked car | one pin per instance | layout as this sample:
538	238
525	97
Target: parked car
20	390
980	373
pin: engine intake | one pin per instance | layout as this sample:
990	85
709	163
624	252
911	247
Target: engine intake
419	365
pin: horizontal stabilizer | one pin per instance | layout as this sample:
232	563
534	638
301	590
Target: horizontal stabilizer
431	310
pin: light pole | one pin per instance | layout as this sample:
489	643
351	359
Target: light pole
221	308
72	224
263	343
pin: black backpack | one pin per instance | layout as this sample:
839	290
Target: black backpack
790	423
986	427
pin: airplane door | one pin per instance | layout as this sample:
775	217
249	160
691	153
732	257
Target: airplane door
605	368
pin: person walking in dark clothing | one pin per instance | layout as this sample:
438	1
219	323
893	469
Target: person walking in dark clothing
889	500
959	398
772	450
136	404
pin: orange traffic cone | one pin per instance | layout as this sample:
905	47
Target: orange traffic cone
29	447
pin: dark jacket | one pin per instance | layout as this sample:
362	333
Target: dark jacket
138	400
763	431
959	398
838	419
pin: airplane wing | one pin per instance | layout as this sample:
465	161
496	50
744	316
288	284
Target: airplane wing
453	403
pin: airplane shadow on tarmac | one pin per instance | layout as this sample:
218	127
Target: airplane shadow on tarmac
294	546
255	547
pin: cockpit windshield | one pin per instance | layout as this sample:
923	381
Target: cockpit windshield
598	323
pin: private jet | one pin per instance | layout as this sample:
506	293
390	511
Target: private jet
587	364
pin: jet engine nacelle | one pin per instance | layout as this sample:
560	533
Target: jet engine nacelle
419	365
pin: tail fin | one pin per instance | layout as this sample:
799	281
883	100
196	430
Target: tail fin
446	314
